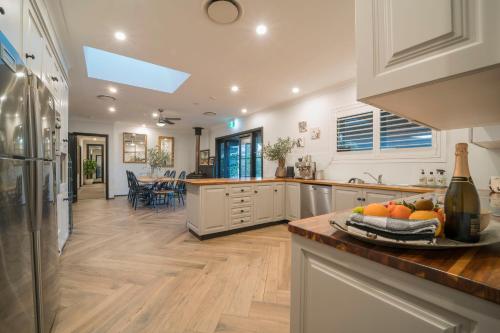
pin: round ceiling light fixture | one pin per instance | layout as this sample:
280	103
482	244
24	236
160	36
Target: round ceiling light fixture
106	98
223	11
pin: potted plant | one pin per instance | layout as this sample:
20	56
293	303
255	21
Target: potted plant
89	167
278	152
157	159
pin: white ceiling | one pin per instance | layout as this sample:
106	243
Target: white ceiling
310	44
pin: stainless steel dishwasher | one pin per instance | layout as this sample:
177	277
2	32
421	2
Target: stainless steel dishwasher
315	200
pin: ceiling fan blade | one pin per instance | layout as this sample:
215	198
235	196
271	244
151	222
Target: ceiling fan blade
172	118
169	122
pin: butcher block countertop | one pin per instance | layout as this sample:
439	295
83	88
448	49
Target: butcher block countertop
232	181
475	271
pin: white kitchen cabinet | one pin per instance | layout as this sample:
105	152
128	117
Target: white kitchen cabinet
377	196
345	198
263	203
487	137
214	208
292	201
381	299
279	202
11	22
33	40
412	57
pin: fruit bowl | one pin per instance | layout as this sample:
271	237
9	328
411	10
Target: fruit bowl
419	210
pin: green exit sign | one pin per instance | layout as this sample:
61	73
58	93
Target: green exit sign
231	123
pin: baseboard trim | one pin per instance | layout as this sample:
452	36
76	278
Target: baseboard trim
235	231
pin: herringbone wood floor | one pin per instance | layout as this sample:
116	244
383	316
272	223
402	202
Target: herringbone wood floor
141	271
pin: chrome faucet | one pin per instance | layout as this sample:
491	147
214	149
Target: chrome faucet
377	179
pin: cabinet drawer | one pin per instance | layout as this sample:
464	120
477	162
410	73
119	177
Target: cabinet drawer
241	220
241	201
241	210
236	190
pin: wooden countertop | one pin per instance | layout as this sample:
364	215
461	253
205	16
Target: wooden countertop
475	271
232	181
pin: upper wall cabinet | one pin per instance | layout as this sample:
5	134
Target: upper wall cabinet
10	21
433	61
33	41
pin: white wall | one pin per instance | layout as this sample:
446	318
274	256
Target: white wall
317	109
183	149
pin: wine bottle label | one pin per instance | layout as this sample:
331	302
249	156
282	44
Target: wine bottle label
474	226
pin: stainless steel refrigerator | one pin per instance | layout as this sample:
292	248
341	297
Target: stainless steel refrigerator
28	226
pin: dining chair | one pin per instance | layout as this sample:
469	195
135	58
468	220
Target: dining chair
160	195
171	183
179	189
167	173
140	192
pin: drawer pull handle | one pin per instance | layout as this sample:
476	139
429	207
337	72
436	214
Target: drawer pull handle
242	221
275	190
242	211
227	194
242	200
242	190
256	191
32	56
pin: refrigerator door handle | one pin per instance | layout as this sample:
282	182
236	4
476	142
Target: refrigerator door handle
34	125
35	193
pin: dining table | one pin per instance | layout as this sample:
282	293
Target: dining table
154	180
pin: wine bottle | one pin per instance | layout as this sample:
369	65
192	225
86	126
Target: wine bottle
461	204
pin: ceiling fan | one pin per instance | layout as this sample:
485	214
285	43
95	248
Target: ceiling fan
162	121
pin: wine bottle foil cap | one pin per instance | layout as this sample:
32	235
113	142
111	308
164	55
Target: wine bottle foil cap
461	148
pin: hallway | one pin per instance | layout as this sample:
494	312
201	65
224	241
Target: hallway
94	191
140	271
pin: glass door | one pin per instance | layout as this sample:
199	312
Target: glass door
240	155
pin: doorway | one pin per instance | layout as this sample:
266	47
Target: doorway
240	155
89	149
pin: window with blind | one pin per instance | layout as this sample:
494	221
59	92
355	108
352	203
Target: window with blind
379	134
397	132
355	132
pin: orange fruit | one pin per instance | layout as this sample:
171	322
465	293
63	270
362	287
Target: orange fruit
427	215
399	212
376	210
423	215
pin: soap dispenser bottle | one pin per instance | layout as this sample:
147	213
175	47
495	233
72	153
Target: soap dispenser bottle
431	180
441	178
422	180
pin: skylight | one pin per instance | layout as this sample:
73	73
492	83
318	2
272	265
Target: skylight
113	67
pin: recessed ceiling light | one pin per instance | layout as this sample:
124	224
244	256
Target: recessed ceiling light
95	139
155	115
112	90
244	110
295	90
120	35
112	109
143	125
235	88
261	29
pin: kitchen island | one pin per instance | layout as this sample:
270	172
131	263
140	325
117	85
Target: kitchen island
220	206
340	284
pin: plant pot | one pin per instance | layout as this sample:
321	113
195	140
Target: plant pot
89	181
280	170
